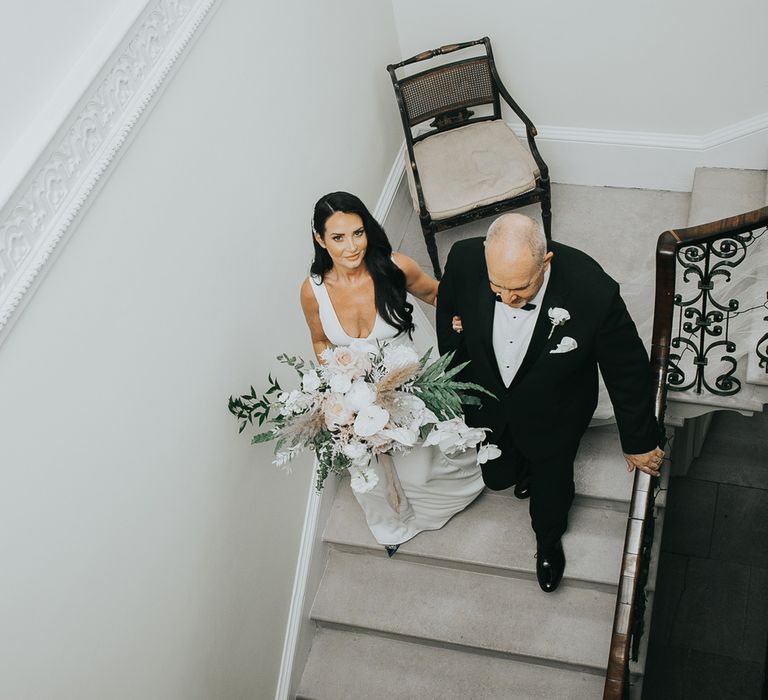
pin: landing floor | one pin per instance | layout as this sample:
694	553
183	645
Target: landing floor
710	619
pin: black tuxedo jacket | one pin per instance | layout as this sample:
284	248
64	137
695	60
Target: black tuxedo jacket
552	398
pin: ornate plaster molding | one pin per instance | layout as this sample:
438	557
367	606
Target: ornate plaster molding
42	211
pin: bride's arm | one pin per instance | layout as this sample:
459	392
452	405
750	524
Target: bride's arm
417	282
312	314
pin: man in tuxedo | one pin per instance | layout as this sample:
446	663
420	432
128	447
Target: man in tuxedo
537	319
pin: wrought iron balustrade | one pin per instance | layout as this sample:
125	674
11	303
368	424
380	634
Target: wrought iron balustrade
707	257
707	310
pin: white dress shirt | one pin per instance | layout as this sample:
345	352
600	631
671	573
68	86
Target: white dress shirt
512	332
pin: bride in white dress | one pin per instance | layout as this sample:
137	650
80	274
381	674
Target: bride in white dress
358	289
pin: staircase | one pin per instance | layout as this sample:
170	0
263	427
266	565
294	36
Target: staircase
458	613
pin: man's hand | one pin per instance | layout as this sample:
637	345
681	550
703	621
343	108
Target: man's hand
650	462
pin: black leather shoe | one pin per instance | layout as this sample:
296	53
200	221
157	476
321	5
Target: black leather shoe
550	564
391	549
523	489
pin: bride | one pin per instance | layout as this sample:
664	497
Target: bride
358	289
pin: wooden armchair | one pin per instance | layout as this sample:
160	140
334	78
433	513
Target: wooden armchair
463	166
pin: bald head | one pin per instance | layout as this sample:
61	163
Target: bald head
512	236
516	257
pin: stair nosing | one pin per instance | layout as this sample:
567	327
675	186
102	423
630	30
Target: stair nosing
462	565
466	648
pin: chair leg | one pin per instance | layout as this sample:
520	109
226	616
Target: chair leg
546	208
429	239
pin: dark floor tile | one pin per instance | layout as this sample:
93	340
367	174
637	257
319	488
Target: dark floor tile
664	677
756	623
675	673
669	589
740	532
721	678
728	467
689	516
744	428
711	614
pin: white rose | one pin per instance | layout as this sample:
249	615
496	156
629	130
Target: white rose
356	451
558	316
335	412
487	453
370	420
364	352
310	382
340	383
295	402
362	480
353	360
359	396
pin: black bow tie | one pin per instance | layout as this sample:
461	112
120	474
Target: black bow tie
527	307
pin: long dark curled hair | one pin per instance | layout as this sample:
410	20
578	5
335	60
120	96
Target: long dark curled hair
388	279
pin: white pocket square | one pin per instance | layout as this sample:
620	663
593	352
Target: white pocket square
566	344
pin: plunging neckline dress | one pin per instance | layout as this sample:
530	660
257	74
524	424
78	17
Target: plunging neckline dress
432	487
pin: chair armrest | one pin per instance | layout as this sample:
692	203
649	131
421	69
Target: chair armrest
530	129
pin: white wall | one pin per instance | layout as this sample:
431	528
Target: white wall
148	550
679	67
49	53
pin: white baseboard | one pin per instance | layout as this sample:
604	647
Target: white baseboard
598	157
38	217
309	571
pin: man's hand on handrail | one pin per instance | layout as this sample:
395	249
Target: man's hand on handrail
650	462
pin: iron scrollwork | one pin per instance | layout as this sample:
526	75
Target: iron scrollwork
703	320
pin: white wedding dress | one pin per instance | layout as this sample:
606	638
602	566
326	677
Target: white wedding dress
420	490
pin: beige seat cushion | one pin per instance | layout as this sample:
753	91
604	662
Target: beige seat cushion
470	167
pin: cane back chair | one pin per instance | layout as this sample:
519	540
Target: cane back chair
463	166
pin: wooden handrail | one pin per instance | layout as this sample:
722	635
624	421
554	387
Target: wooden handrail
667	247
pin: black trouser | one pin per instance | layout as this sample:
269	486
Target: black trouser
551	483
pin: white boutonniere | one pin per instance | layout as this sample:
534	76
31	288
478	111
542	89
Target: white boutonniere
566	344
557	317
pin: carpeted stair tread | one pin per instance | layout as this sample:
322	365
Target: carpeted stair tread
344	664
721	192
493	613
495	532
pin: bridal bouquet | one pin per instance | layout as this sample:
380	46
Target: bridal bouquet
362	401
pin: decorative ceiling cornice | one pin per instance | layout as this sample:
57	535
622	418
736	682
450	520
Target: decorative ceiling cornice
40	214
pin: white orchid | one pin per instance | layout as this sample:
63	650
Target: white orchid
370	421
454	435
487	453
403	436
